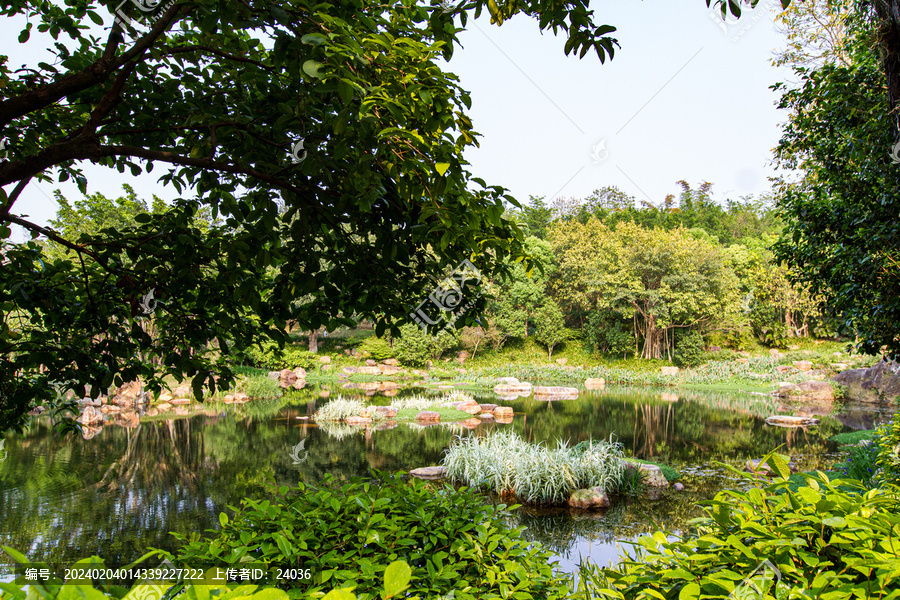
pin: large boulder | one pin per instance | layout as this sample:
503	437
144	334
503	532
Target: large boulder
369	370
593	497
802	365
505	389
875	385
428	416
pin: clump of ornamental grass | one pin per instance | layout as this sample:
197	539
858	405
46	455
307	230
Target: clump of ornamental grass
504	463
340	408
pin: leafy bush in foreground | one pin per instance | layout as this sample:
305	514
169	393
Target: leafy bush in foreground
349	534
826	541
506	464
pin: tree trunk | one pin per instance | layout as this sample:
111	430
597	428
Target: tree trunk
314	341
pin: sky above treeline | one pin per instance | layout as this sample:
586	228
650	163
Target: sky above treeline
686	97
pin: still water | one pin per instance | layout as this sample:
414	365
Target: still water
125	489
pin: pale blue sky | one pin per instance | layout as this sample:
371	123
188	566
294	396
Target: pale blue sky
686	97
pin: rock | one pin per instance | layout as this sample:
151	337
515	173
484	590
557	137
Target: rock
594	384
348	385
388	385
182	391
228	399
371	363
507	380
774	352
90	415
390	393
782	369
487	408
324	393
389	370
36	411
462	356
386	412
714	349
347	352
163	406
385	425
130	390
286	378
651	475
428	415
299	384
274	375
152	412
241	397
486	416
391	362
838	367
369	370
110	409
181	401
429	472
122	401
668	397
325	360
877	384
503	411
678	486
471	407
562	361
358	421
505	389
790	421
808	390
300	373
349	370
472	423
668	370
802	365
594	497
556	393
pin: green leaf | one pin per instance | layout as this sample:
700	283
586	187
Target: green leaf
339	595
312	68
396	578
689	592
223	519
314	39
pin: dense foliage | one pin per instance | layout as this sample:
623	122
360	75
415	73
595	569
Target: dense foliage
828	539
348	534
842	212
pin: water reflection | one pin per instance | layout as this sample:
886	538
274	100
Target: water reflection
126	488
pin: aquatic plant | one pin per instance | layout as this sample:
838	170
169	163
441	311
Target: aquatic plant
504	463
340	408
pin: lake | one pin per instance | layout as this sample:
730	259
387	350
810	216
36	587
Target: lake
124	489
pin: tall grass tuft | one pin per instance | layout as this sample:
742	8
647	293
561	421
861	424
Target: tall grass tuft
340	408
505	464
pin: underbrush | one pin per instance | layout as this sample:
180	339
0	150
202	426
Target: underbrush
505	464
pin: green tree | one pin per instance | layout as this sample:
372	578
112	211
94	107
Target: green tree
550	326
843	212
326	136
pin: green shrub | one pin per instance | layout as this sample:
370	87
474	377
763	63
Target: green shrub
345	535
378	348
273	358
688	348
825	541
414	346
862	463
262	386
504	463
